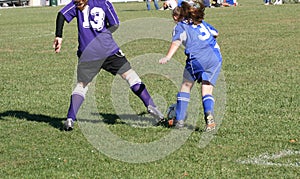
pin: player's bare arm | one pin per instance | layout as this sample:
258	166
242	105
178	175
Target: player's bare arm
173	48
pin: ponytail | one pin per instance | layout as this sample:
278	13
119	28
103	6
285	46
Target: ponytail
197	12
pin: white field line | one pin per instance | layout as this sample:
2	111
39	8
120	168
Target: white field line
264	159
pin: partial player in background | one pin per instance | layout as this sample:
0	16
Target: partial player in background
267	2
203	63
278	2
149	4
169	5
206	3
96	21
228	3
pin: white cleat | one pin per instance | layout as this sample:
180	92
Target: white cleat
69	124
155	113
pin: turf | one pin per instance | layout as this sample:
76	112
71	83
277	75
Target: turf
258	95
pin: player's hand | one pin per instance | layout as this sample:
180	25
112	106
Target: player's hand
164	60
57	44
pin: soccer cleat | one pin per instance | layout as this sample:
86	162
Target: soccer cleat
69	124
155	113
210	122
179	124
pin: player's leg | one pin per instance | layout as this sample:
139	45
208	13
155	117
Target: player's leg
148	5
118	64
77	98
208	103
140	90
183	98
86	71
208	80
156	4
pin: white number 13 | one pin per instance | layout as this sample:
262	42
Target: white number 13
98	18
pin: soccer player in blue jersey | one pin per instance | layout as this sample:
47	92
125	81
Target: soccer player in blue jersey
203	63
96	21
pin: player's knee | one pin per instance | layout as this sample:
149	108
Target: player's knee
80	90
133	78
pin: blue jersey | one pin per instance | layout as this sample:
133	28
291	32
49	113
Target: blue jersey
204	58
94	38
199	40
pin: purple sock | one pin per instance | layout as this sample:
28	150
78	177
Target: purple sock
76	101
141	91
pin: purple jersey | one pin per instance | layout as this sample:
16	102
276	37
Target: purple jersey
94	38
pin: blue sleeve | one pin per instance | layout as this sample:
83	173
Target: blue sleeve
179	33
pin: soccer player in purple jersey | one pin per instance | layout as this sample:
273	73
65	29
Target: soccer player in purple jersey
203	63
96	21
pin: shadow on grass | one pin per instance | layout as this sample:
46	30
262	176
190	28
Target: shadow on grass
112	119
108	118
53	121
119	119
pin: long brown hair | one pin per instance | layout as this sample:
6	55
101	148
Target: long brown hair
81	4
197	12
182	12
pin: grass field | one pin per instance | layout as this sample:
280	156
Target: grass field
259	131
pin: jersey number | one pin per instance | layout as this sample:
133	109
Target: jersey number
205	34
98	16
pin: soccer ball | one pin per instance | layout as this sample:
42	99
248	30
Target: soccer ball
171	115
171	112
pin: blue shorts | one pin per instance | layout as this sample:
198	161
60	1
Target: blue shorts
196	70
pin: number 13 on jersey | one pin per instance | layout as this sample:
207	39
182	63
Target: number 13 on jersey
97	19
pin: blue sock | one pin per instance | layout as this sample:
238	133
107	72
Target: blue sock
208	102
182	105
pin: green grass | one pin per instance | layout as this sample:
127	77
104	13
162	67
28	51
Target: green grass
261	55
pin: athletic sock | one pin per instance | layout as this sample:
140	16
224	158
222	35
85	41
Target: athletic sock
183	99
140	90
208	102
75	103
